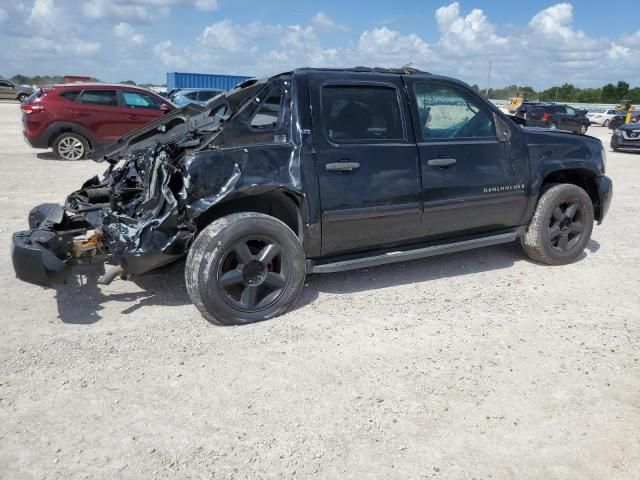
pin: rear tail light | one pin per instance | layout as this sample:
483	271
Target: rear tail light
32	108
545	116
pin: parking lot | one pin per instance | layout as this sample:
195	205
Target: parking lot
480	364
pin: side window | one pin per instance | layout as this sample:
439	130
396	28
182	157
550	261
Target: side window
5	84
361	113
140	100
268	112
444	112
71	95
206	95
191	95
571	111
107	98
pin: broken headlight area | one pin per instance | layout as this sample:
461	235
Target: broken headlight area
134	216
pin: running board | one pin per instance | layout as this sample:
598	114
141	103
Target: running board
403	255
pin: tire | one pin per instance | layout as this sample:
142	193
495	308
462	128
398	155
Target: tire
22	97
563	211
606	123
71	146
229	282
583	129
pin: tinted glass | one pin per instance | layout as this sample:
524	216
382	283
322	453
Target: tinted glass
140	100
268	111
361	113
191	95
70	95
571	111
206	95
444	112
5	84
100	97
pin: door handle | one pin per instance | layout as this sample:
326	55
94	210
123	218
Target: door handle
342	166
441	162
133	117
83	114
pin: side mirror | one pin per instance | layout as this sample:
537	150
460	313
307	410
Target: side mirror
164	107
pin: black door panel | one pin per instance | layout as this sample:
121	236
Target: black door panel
368	168
471	181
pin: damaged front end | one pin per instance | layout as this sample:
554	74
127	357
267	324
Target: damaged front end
142	213
134	216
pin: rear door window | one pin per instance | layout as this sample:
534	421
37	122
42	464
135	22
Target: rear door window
106	98
361	113
71	95
140	100
268	113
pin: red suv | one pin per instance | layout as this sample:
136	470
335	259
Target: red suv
75	118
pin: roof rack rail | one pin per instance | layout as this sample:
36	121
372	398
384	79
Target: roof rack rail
406	70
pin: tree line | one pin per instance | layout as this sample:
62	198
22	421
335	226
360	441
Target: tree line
567	93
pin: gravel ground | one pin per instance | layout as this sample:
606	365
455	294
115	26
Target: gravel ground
477	365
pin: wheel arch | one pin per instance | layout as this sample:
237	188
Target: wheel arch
283	204
581	177
57	129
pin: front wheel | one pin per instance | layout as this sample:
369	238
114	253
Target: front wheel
244	268
22	97
561	225
606	123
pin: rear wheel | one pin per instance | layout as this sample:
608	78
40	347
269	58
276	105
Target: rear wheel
606	123
22	97
561	225
244	268
71	146
583	129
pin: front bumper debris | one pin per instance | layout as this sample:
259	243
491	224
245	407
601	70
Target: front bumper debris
41	255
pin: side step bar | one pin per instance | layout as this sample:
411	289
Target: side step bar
403	255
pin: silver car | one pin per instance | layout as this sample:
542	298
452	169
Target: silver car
11	91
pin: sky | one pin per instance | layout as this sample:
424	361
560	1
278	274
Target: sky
528	42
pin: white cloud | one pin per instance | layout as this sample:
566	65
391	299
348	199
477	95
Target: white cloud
323	23
618	52
554	21
169	58
386	47
547	48
124	31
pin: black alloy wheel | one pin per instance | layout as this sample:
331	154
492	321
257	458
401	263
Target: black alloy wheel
245	267
566	226
253	274
561	225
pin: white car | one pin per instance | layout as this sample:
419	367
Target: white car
601	116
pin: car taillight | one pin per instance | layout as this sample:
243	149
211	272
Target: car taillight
31	108
545	116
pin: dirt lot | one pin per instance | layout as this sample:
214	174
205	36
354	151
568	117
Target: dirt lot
479	365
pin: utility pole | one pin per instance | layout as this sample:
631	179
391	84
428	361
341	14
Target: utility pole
556	95
486	93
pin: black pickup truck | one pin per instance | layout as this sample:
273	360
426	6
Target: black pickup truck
319	170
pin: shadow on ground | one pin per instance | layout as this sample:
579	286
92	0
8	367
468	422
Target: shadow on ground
81	300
